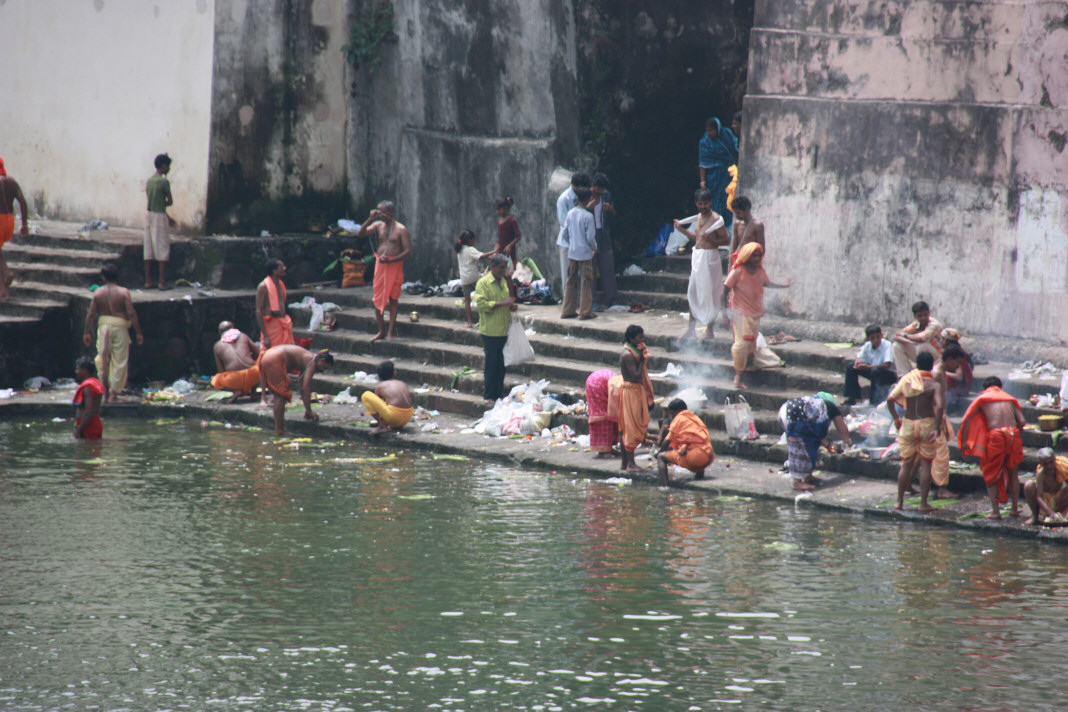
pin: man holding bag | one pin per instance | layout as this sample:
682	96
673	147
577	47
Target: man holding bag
495	306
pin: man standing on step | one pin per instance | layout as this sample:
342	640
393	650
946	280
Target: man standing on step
276	327
394	244
705	290
158	223
581	249
603	214
235	362
635	396
111	309
917	435
991	429
567	200
9	193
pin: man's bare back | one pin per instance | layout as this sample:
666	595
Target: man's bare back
1001	414
746	231
236	356
394	392
112	300
923	405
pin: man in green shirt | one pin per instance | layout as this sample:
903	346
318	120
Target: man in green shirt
495	306
158	223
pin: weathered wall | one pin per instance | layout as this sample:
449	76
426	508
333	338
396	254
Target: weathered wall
93	91
907	150
473	101
279	102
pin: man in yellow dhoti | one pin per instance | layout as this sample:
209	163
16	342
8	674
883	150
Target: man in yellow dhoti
113	312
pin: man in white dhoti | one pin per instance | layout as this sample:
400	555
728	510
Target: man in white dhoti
705	291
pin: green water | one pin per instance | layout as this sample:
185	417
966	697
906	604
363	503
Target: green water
183	568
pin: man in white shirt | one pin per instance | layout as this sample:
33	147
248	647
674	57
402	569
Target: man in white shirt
582	246
564	204
875	361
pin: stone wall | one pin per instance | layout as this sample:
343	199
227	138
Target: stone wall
473	101
279	97
92	91
913	150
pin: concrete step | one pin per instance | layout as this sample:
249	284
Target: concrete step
89	258
58	275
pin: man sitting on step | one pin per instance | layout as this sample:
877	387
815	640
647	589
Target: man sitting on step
235	362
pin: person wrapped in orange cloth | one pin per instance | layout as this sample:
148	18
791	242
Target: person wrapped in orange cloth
687	443
635	396
87	399
275	364
991	429
235	362
394	245
276	327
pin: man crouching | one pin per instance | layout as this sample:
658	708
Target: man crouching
391	402
687	443
275	364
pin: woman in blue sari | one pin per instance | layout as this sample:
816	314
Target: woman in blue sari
717	151
807	420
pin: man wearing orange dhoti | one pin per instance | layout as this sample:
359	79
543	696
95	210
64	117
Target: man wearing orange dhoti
394	244
991	429
276	327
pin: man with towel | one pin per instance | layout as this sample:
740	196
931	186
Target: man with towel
991	429
394	244
235	362
705	289
924	400
390	403
111	309
9	193
276	327
687	444
275	364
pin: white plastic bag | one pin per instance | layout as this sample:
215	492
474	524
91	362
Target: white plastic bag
1064	389
316	316
738	418
517	349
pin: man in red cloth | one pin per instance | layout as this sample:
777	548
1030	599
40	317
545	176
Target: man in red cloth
276	327
87	399
10	192
394	244
991	429
274	366
687	443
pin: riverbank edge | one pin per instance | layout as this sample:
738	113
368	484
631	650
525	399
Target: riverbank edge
728	475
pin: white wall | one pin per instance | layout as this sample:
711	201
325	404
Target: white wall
92	90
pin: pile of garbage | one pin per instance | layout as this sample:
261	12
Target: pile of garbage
528	410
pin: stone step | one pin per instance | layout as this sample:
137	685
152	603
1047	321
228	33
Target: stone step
31	253
663	282
57	275
30	306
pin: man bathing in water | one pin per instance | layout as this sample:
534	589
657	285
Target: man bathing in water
917	434
390	404
991	429
394	244
275	364
235	362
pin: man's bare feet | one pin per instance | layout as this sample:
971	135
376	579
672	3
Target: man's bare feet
899	506
994	515
738	383
943	493
379	429
1014	513
379	335
803	486
1032	521
925	509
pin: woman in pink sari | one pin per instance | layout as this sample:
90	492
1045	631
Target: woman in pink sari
604	430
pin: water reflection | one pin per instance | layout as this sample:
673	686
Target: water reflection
195	568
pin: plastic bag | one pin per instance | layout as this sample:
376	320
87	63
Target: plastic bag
316	316
1064	389
37	383
517	349
738	418
659	244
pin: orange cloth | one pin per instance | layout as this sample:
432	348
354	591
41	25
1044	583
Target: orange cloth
971	438
747	289
633	415
689	432
241	382
279	328
389	276
94	430
7	227
272	367
910	386
1004	451
273	302
3	171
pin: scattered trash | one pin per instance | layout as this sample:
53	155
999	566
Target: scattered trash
671	371
617	308
265	233
96	224
349	225
345	397
218	396
6	393
633	270
182	387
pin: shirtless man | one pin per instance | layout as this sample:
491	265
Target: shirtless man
276	327
951	360
991	429
1047	492
235	362
917	435
391	402
706	270
276	363
112	310
9	193
394	244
